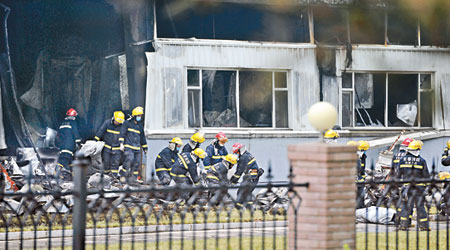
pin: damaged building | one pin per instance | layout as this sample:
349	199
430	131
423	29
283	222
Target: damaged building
249	68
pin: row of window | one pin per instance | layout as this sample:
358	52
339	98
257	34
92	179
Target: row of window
260	99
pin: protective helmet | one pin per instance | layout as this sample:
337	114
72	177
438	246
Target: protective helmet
231	158
119	117
406	141
444	175
363	145
331	134
415	145
236	147
177	140
448	144
221	137
71	112
200	153
137	111
353	143
198	137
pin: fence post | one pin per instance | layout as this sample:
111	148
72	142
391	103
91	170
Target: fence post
79	207
326	217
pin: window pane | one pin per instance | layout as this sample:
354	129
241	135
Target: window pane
281	109
425	81
193	79
219	98
370	91
280	80
194	108
255	98
426	105
402	100
347	109
347	80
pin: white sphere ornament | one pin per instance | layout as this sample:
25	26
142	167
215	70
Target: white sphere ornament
322	116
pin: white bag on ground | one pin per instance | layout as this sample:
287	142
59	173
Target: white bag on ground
375	214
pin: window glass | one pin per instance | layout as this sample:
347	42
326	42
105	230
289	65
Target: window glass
370	92
281	109
402	100
255	98
193	78
426	109
219	98
194	108
347	109
425	81
347	80
280	80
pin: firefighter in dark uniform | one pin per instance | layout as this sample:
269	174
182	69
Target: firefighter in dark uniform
413	166
165	159
248	167
109	132
216	151
445	157
363	146
194	142
68	139
217	176
132	138
187	163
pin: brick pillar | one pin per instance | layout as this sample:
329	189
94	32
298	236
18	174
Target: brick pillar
326	216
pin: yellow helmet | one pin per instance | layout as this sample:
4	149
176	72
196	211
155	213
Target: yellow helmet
231	158
119	117
331	134
200	153
415	145
177	140
448	144
352	143
198	137
444	175
363	145
137	111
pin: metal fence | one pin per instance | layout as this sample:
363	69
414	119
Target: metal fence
403	213
145	216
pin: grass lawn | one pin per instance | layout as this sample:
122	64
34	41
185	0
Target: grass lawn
426	240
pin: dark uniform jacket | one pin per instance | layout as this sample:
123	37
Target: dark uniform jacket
413	167
165	159
187	148
218	172
362	166
216	154
110	134
68	136
396	162
132	134
445	158
183	165
246	165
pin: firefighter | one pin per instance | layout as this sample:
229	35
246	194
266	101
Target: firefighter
445	157
165	159
248	166
194	142
217	176
413	166
399	155
331	136
187	162
132	139
67	140
363	146
216	151
109	132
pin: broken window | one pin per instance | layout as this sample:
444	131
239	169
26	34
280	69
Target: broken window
262	100
366	26
386	100
330	25
401	29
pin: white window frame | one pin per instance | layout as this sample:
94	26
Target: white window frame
238	127
352	90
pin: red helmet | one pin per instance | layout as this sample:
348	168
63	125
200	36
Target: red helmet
221	137
407	141
236	147
71	112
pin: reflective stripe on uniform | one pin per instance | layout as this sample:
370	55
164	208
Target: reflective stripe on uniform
113	131
212	177
97	138
216	157
362	164
78	140
238	204
67	151
237	176
114	171
112	148
121	139
177	175
406	166
65	126
250	162
134	130
162	169
158	156
403	218
396	161
61	165
144	146
444	157
136	172
207	167
182	161
424	219
172	160
132	147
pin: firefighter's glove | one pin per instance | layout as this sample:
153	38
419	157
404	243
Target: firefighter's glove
122	147
145	150
260	172
234	180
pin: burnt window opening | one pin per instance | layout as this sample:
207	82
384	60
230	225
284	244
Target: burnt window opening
330	25
237	98
401	29
386	100
366	26
230	21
